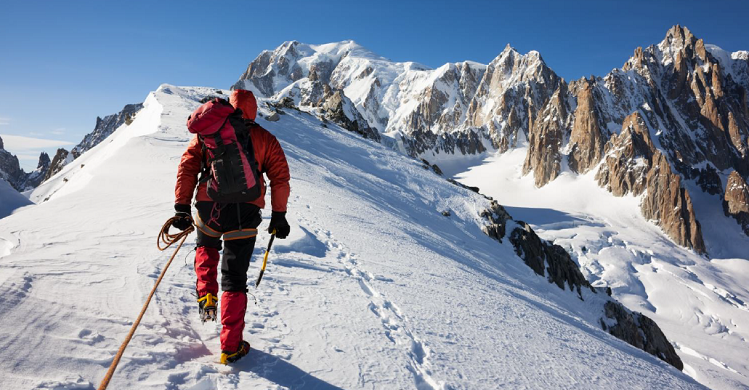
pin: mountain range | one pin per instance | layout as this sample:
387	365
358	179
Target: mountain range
674	112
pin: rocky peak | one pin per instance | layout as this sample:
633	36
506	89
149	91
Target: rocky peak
43	161
34	178
10	169
512	67
62	158
677	39
2	146
547	131
11	172
589	133
513	91
105	127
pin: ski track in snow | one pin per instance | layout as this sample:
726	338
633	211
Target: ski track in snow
373	289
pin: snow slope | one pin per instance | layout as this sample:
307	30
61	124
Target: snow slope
701	304
10	199
374	288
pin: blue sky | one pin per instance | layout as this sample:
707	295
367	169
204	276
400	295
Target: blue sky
64	63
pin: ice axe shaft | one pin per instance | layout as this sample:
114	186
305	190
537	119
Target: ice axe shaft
265	258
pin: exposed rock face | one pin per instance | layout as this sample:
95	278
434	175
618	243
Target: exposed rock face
545	141
670	205
338	108
10	169
639	331
628	158
633	164
497	218
36	177
555	263
62	158
589	134
465	143
736	200
105	127
11	172
543	257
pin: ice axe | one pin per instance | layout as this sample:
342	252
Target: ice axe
265	258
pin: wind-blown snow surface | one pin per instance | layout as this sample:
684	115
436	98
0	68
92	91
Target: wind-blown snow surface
373	289
701	304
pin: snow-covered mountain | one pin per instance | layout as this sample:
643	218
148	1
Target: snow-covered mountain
10	169
105	127
690	99
393	277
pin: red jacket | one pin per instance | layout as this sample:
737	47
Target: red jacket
270	157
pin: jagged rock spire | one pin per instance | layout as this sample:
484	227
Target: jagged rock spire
43	161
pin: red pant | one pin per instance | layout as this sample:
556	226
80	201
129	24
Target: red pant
234	265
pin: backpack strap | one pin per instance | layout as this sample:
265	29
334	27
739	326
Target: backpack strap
205	173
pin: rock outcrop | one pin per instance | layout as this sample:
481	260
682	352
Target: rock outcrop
589	135
736	200
61	159
547	259
553	262
669	204
634	165
545	141
639	331
10	169
105	127
339	109
35	177
11	172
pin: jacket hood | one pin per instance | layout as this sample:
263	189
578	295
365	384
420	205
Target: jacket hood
245	101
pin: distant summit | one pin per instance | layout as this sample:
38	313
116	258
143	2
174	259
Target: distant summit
688	98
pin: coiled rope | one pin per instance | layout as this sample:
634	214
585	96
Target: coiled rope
166	239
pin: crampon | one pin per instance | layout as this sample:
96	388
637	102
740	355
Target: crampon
207	307
231	357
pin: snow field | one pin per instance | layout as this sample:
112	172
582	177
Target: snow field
374	288
700	303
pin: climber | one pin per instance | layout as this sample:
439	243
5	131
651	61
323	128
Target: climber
236	222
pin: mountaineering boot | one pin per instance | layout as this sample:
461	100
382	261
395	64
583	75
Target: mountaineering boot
231	357
207	307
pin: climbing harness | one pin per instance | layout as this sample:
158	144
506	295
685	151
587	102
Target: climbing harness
265	258
166	239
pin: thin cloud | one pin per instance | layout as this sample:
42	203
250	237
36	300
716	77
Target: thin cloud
4	120
58	131
20	144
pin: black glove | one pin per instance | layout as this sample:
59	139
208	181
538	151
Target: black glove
183	219
279	224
